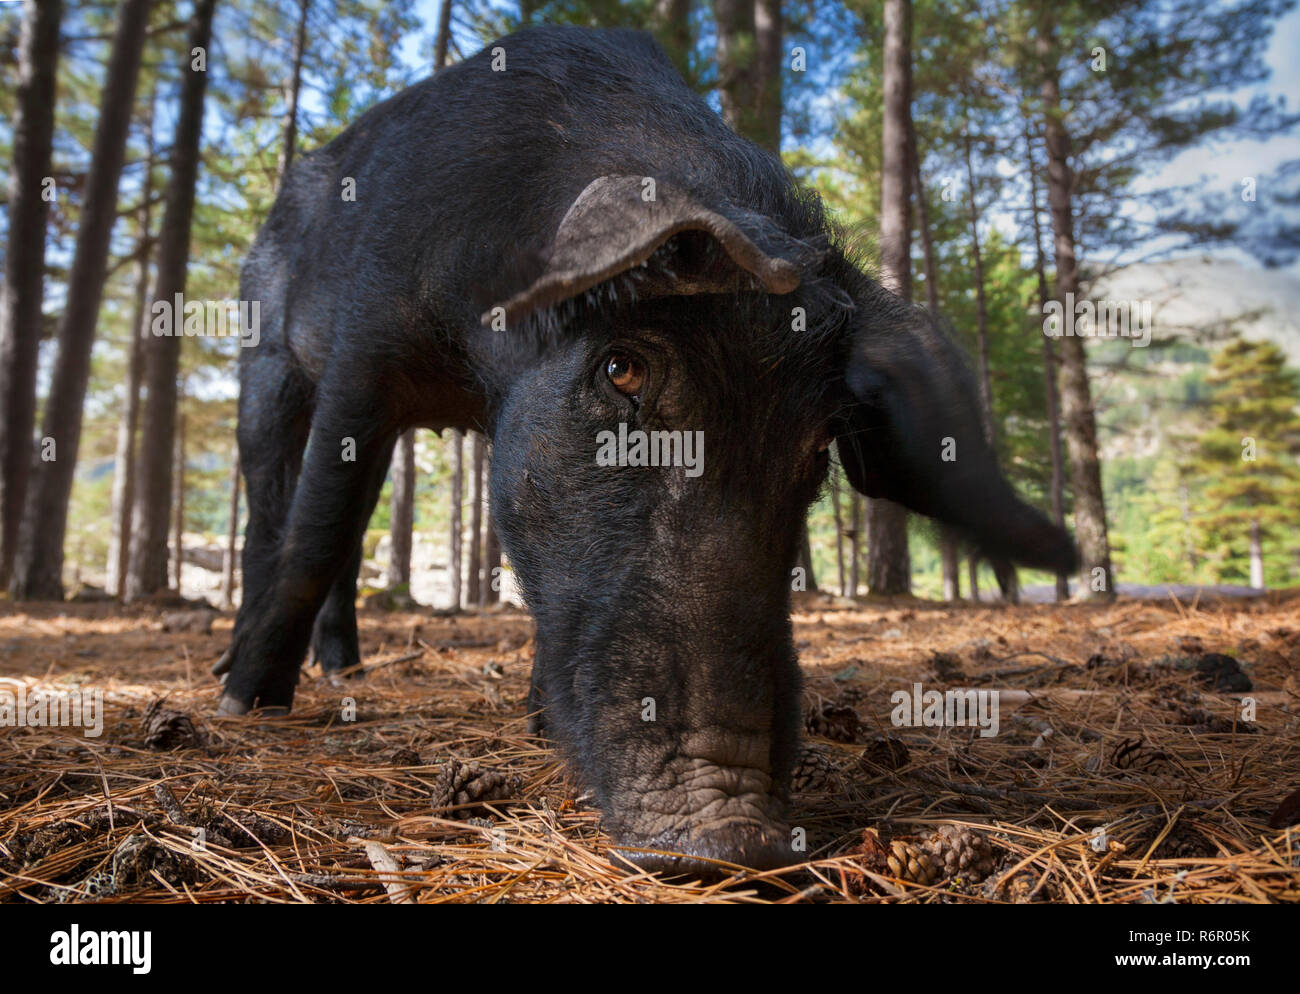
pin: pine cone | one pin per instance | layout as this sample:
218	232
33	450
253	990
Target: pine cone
961	852
1222	673
166	729
464	783
840	724
814	772
908	862
886	752
405	756
947	666
1134	754
1185	841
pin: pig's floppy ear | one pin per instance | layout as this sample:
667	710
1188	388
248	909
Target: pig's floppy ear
913	435
612	228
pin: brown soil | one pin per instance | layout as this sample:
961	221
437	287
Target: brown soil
1120	772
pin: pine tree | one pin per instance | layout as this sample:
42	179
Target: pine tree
1250	458
24	263
38	566
889	567
152	513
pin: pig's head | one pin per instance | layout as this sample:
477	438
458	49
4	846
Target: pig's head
665	666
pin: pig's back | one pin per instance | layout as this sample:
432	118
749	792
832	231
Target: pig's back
462	177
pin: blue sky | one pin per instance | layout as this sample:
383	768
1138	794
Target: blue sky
1225	162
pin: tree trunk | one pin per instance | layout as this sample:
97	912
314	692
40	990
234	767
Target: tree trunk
491	564
1058	469
950	565
38	566
888	562
896	167
1256	556
1049	363
973	575
1076	395
402	510
839	526
489	589
232	536
949	558
769	29
148	571
442	40
855	540
737	58
24	267
124	454
673	24
981	301
922	209
289	138
475	518
1005	573
805	558
178	487
119	543
457	493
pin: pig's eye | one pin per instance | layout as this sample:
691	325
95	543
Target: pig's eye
627	374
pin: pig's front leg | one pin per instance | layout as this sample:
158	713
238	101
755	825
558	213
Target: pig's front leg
536	702
334	643
346	452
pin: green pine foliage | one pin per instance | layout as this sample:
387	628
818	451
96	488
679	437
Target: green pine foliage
1248	458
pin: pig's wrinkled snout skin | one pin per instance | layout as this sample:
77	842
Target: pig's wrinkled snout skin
696	815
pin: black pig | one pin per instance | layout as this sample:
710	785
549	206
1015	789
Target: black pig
549	240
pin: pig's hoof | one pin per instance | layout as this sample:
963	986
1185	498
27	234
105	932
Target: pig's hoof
232	706
352	671
335	658
537	725
222	666
341	678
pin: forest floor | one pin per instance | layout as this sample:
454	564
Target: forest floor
1129	764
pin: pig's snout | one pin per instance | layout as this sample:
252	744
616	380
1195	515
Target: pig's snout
693	815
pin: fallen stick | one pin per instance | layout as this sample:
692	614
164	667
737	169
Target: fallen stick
326	882
405	657
171	807
1016	697
382	860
